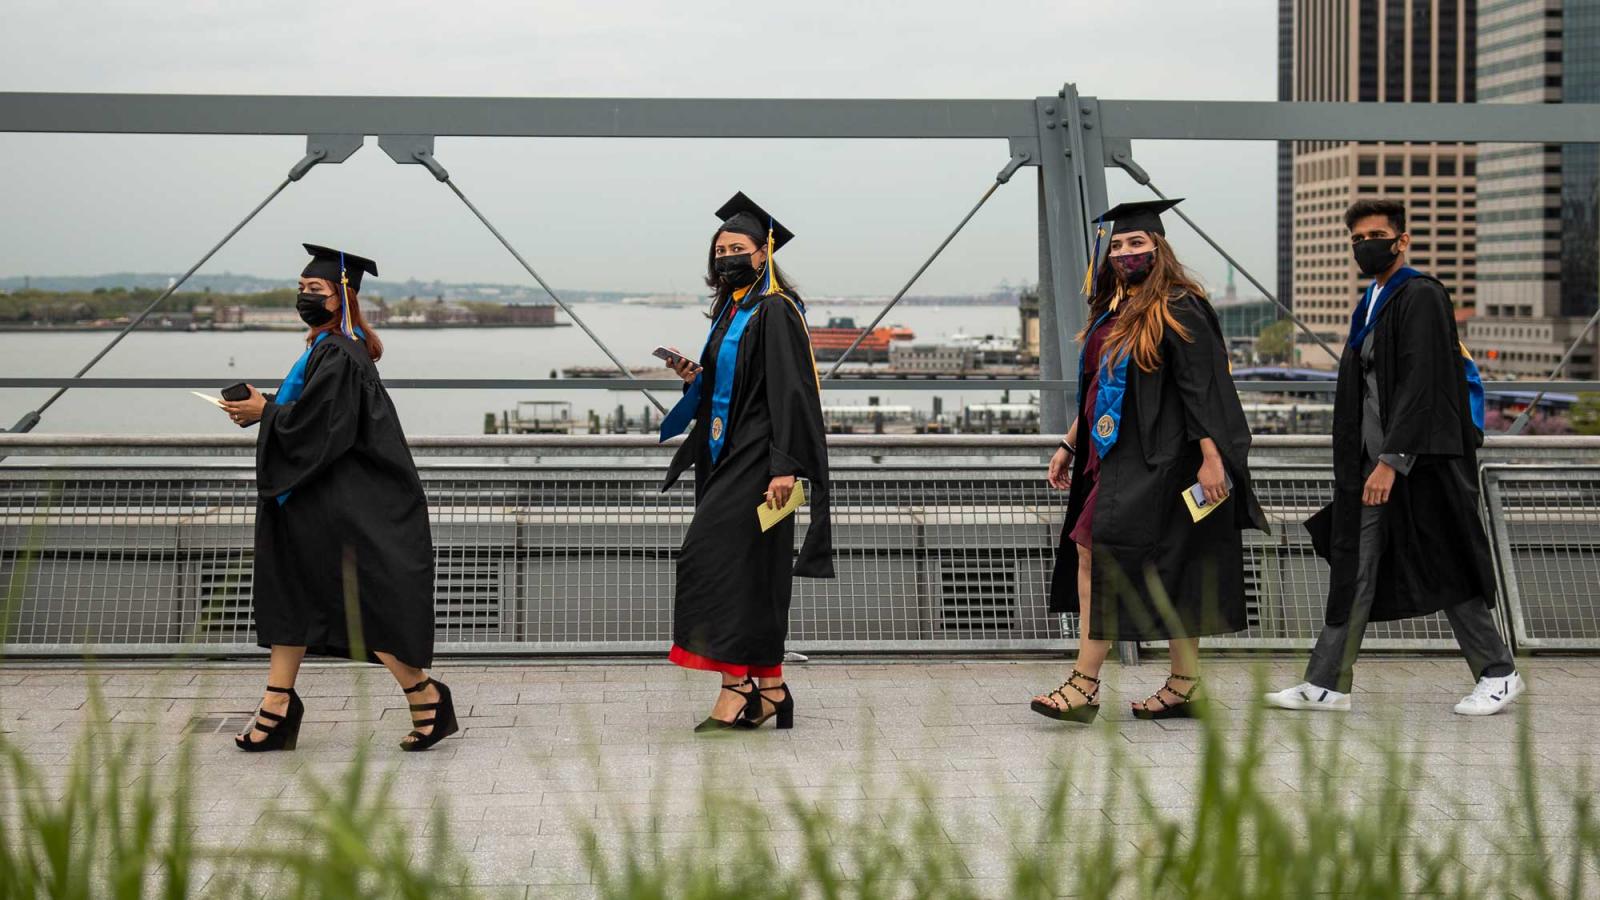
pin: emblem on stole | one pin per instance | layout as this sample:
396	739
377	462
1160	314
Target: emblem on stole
716	428
1105	426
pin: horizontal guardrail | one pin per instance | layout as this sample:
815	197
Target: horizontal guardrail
843	382
510	445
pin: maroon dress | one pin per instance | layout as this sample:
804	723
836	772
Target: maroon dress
1083	530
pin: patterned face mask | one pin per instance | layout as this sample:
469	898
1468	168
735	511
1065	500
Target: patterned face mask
1133	268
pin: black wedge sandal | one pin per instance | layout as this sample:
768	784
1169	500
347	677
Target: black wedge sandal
712	724
284	731
1083	713
1187	706
783	709
443	720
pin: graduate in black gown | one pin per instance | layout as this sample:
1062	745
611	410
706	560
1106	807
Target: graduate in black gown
1403	536
757	411
343	552
1157	414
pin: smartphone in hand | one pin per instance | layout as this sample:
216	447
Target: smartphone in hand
672	358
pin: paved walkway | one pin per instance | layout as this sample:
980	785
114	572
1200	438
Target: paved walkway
549	746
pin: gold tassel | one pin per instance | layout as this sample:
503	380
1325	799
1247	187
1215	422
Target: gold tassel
1094	255
772	269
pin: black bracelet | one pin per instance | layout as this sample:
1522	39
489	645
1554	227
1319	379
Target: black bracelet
1069	448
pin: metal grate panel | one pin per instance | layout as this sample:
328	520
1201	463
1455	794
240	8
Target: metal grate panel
539	559
1546	531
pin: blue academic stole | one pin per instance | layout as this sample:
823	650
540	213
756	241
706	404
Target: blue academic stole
722	391
681	414
1110	389
1361	325
294	384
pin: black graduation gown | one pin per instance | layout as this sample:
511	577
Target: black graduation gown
1437	553
1141	525
357	506
734	580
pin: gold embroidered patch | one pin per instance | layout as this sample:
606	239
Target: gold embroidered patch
1105	426
716	428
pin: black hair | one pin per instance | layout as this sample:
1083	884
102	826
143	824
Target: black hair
1393	210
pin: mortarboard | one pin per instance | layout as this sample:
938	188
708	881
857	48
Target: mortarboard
331	264
741	215
1141	215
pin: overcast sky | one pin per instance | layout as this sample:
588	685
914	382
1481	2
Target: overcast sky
616	215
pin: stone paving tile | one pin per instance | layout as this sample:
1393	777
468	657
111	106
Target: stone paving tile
550	749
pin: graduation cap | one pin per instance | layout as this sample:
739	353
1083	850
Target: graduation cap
741	215
1140	215
337	266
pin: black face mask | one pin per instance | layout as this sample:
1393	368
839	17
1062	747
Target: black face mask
1374	255
734	271
311	309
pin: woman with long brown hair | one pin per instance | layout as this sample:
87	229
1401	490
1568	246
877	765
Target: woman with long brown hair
343	551
1156	463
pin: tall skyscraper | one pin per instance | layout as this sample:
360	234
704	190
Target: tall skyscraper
1385	51
1539	226
1286	157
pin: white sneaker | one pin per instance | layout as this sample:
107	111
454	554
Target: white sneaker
1491	695
1308	696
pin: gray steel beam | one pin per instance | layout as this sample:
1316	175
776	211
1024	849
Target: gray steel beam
1062	163
514	116
784	118
1053	418
1272	120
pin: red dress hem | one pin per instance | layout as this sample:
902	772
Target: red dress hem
690	660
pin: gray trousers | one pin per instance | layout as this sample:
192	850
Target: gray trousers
1333	660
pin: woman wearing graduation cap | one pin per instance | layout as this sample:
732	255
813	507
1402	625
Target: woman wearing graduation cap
343	552
1157	415
757	409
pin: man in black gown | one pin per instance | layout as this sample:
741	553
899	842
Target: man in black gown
1403	536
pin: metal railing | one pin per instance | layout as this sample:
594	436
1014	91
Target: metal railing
565	545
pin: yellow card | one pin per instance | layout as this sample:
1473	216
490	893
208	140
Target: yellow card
208	398
1196	511
771	517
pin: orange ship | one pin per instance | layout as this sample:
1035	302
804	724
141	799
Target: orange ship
829	342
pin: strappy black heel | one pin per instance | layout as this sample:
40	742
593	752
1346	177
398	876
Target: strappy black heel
782	709
1083	713
283	732
714	724
443	720
1186	707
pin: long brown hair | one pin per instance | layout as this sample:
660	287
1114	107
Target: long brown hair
1144	312
372	343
